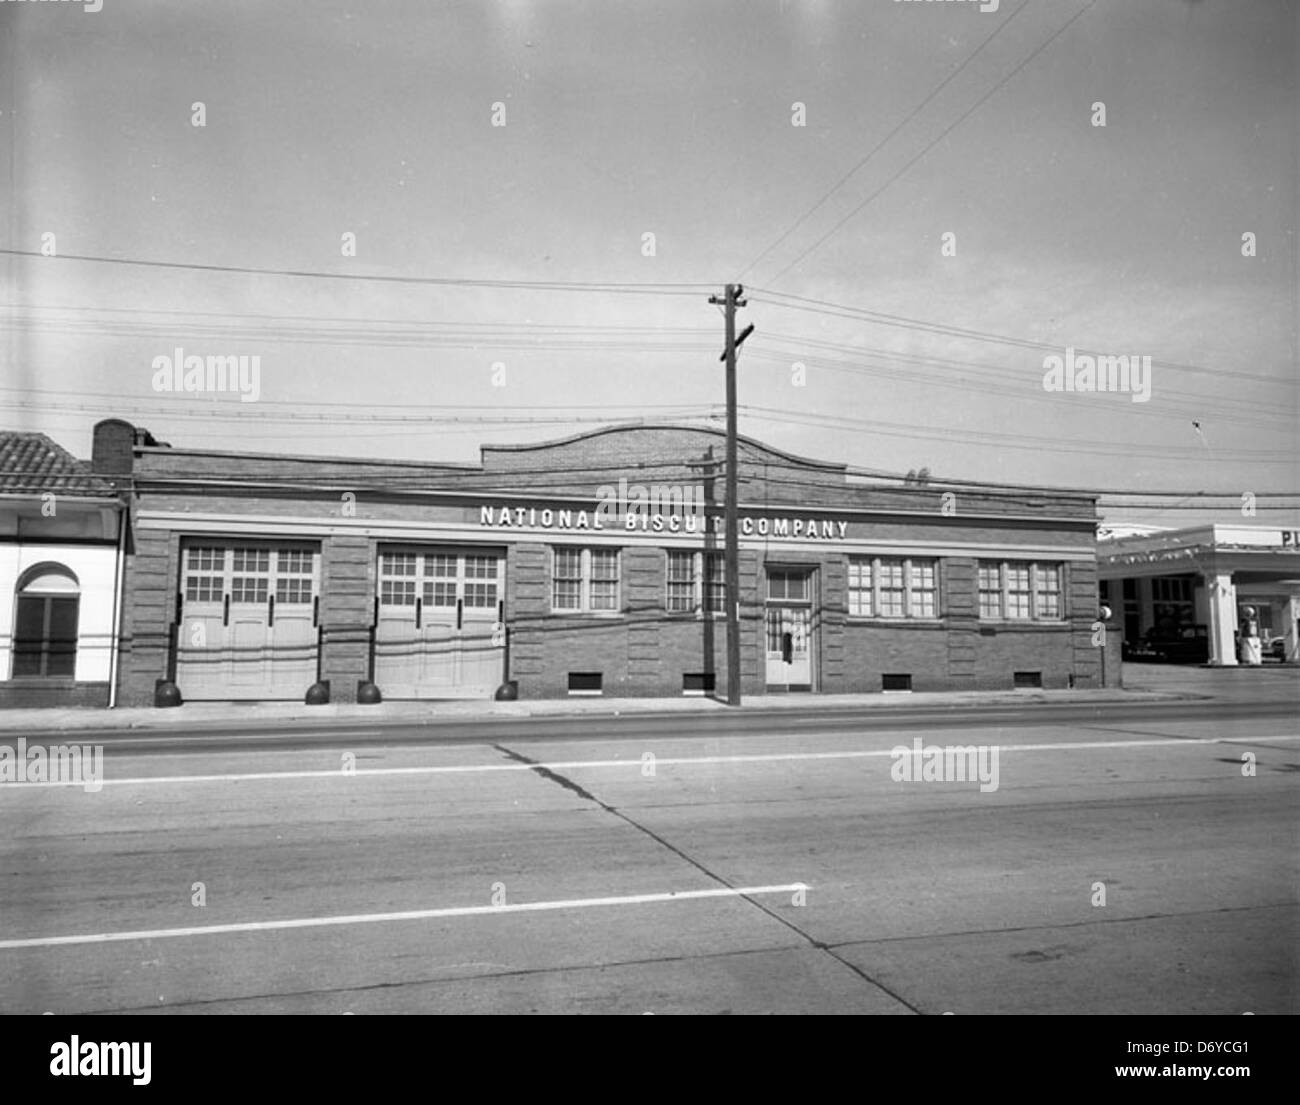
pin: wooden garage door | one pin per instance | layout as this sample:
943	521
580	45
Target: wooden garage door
247	620
439	630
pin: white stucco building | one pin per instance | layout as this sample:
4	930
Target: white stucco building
61	558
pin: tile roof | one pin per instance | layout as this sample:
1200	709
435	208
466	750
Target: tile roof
32	463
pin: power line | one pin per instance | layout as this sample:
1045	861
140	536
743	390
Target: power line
339	337
1016	375
1021	393
341	319
242	412
821	306
664	288
880	145
353	407
929	146
570	339
1037	443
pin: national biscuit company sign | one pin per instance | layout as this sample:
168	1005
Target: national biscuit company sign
688	521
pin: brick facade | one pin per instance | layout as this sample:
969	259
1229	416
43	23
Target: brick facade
350	512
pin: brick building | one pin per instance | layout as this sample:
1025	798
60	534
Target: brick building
589	565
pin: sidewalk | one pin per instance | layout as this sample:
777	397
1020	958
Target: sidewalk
225	715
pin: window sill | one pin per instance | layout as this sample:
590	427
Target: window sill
50	682
1024	623
864	619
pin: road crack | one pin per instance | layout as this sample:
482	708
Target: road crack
812	942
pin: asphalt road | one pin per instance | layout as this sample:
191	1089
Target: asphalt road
662	871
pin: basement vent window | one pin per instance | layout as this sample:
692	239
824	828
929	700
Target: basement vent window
698	682
585	682
1028	679
896	682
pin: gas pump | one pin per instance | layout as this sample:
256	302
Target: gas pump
1252	651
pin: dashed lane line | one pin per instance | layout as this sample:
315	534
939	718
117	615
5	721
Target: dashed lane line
660	761
408	915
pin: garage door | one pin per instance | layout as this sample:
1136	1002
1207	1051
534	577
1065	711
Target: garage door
438	633
248	621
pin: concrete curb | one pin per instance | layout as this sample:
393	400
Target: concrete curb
203	716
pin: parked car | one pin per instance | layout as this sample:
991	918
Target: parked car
1188	645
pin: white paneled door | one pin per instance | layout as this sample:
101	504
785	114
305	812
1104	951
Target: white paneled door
439	632
247	626
789	637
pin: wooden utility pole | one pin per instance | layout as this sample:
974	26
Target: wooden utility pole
730	301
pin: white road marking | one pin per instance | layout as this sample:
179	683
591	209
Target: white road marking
659	761
409	915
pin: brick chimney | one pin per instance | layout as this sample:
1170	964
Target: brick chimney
112	453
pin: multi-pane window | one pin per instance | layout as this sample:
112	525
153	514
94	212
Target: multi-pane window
604	579
204	574
892	587
584	579
788	586
861	592
249	574
1171	589
990	577
715	591
293	569
251	570
1020	590
696	581
1171	602
923	589
251	560
481	581
892	590
1047	586
567	580
440	580
681	583
395	588
45	626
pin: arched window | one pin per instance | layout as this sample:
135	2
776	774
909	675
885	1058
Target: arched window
45	626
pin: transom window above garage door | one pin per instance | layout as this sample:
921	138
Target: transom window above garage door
249	573
440	579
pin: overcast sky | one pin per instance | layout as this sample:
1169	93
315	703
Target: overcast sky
674	120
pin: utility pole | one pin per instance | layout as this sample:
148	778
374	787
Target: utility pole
730	301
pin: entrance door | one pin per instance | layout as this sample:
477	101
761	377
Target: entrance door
439	633
247	625
789	629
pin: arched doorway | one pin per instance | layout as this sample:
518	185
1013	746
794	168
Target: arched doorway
45	623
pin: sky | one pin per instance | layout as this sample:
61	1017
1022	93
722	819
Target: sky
900	187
